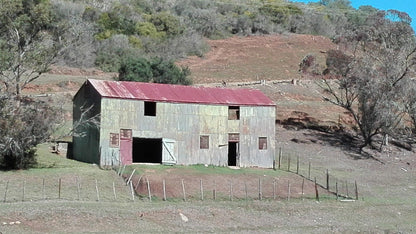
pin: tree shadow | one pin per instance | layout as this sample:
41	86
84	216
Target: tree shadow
346	141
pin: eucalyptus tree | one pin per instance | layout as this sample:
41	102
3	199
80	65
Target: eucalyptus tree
371	72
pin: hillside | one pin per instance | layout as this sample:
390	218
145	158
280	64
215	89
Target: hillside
270	57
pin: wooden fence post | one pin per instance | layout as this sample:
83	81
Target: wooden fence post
260	190
24	188
131	190
280	157
303	184
346	187
97	191
274	189
309	171
201	188
164	190
316	191
43	189
59	188
356	191
148	189
183	190
336	189
297	165
327	179
5	191
114	191
231	190
214	191
245	188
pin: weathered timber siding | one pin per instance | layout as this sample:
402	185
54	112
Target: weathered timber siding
185	123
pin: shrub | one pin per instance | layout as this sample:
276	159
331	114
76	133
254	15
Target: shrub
24	123
155	70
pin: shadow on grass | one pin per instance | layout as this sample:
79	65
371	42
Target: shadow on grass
341	139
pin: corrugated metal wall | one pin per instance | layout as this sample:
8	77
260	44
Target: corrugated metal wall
185	123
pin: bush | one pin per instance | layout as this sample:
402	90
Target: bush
24	123
154	70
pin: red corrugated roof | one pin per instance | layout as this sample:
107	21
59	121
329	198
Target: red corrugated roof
179	93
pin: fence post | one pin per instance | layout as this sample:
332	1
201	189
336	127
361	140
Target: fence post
309	171
201	188
97	191
164	190
316	191
280	157
5	192
327	179
274	189
114	191
78	193
59	188
43	189
214	192
260	190
183	190
297	165
303	184
132	190
24	188
148	189
336	189
356	191
231	190
245	188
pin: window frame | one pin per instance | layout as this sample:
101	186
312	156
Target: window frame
204	142
262	143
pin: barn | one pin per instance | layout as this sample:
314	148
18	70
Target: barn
174	124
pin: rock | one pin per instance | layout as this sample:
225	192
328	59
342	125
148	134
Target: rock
183	217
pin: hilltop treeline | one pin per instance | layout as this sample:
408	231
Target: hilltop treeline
104	32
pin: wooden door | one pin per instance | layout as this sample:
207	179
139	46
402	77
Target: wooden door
126	146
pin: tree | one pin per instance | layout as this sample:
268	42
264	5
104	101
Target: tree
29	42
370	74
22	128
155	70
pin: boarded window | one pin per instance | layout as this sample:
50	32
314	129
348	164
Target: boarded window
125	134
233	112
262	143
114	140
204	142
150	108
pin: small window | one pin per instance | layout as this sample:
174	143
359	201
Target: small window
150	108
233	112
114	140
204	142
262	143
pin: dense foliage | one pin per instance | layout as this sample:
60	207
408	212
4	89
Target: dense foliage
104	31
23	125
154	70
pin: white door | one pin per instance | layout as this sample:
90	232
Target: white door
168	151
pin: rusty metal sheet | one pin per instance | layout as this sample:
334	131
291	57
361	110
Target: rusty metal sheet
180	93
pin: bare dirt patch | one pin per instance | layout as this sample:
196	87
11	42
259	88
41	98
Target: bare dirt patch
271	57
